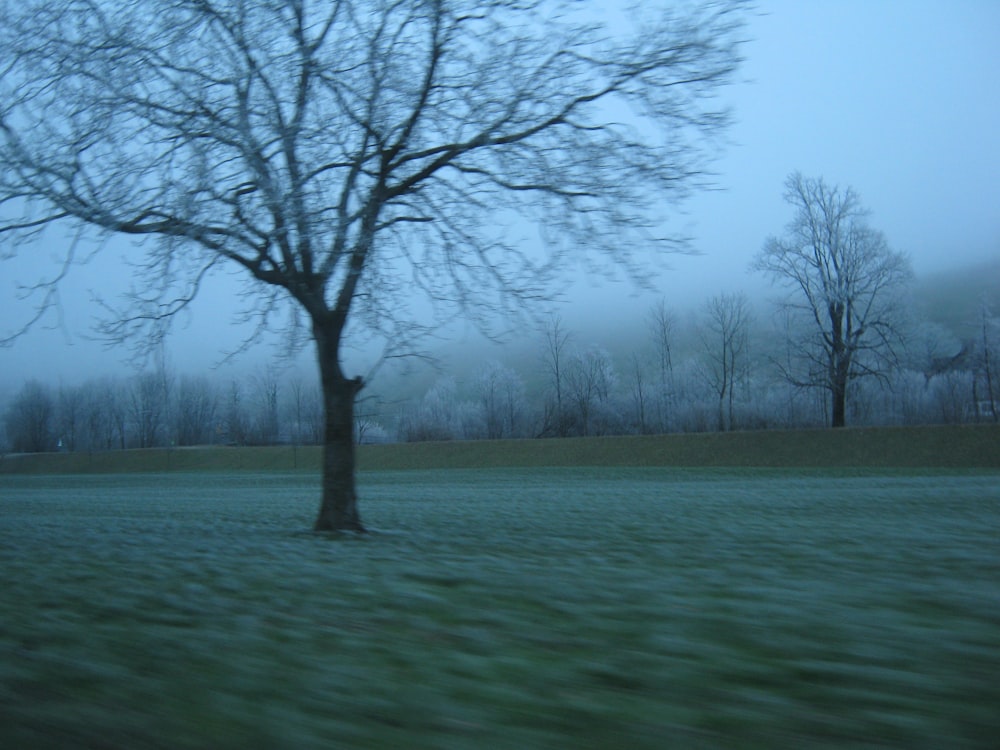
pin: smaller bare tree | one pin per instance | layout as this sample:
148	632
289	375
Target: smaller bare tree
844	284
368	426
296	411
661	325
499	393
236	422
148	405
29	418
265	428
986	397
97	424
197	410
70	405
590	378
725	337
639	393
554	361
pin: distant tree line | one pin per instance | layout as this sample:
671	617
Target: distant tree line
726	367
157	409
728	370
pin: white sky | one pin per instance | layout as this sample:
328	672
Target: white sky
899	99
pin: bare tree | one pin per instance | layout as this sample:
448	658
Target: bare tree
296	411
29	418
345	152
367	420
97	426
236	421
554	361
197	409
725	339
986	402
70	404
265	428
148	405
844	282
499	393
639	393
590	378
315	420
661	322
115	397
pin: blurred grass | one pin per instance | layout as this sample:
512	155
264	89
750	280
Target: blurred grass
935	446
505	608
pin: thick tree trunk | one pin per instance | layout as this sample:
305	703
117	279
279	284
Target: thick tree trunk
838	402
840	373
339	507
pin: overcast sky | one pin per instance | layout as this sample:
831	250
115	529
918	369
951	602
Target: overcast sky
899	99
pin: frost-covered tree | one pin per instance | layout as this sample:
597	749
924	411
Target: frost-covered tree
343	154
440	415
499	398
590	382
662	327
554	362
844	283
725	339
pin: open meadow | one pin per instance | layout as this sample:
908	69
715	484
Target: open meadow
503	608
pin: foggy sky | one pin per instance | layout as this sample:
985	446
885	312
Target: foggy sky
900	100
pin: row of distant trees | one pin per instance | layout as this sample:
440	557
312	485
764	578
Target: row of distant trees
726	367
155	409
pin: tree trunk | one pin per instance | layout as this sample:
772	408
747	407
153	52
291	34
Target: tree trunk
339	507
838	392
839	374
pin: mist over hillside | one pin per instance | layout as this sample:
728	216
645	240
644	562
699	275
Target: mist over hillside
954	298
950	301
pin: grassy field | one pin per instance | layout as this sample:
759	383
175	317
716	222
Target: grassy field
503	608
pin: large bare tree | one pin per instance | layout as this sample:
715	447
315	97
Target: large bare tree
844	283
345	153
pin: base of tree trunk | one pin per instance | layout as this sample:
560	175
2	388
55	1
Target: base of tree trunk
347	524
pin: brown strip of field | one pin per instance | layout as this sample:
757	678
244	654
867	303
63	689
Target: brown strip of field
969	446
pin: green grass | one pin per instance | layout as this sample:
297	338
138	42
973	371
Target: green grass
503	608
